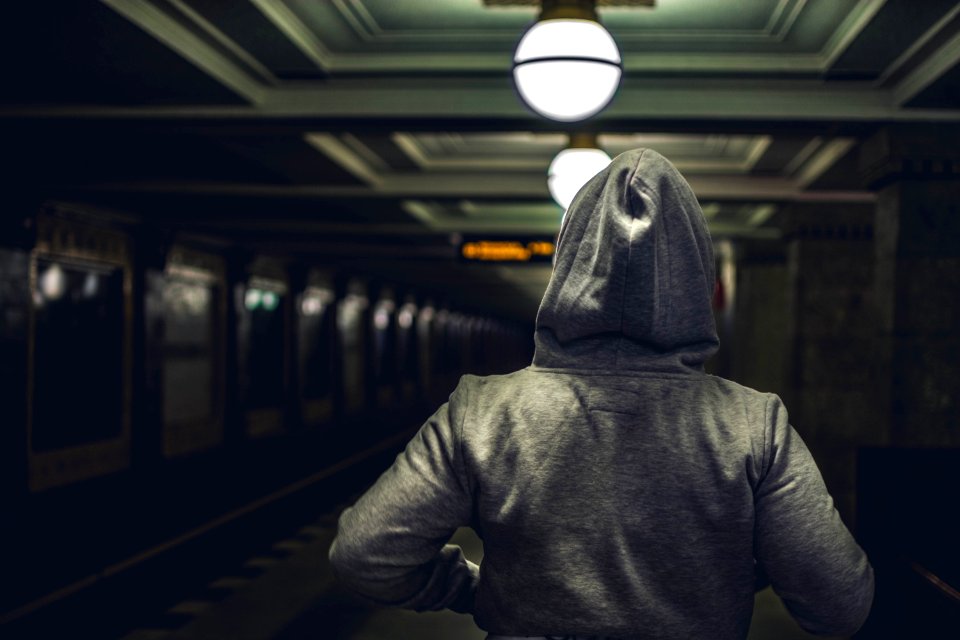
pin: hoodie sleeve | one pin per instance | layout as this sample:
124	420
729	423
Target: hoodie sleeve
391	545
812	560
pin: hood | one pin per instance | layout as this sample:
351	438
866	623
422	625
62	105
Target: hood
633	279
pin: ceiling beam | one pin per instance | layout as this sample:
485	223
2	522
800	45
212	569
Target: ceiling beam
191	47
337	151
254	66
493	99
311	45
897	68
497	185
849	30
637	101
945	58
295	31
731	63
822	160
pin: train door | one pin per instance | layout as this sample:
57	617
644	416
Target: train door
186	343
80	353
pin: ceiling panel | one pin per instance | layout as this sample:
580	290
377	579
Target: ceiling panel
82	52
943	93
355	129
889	34
468	216
363	35
533	152
253	32
783	155
82	157
291	157
726	220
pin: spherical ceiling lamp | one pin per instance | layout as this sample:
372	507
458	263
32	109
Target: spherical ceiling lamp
567	67
573	167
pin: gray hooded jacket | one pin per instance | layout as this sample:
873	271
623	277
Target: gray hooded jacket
618	489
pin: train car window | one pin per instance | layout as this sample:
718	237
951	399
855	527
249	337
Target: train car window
78	339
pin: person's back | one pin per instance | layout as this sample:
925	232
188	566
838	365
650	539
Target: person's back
619	490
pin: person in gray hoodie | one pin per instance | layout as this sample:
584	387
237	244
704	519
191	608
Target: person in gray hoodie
619	490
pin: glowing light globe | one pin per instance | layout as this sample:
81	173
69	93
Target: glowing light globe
567	70
571	169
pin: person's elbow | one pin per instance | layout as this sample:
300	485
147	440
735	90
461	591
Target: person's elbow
357	565
846	612
342	557
349	561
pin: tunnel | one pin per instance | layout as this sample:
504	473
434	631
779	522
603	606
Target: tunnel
248	248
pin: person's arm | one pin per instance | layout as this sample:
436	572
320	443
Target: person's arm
812	560
391	546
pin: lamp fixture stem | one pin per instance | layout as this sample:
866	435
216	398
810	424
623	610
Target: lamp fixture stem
569	10
583	140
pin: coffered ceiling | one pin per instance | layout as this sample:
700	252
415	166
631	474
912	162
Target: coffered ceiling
388	128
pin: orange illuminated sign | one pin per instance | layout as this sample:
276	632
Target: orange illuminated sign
507	250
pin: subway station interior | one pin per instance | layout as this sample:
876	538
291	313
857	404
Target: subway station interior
248	247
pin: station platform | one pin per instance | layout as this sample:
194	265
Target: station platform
290	593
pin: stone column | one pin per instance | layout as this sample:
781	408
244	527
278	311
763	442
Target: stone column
915	171
761	301
831	332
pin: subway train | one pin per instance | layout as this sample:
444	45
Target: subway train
144	367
